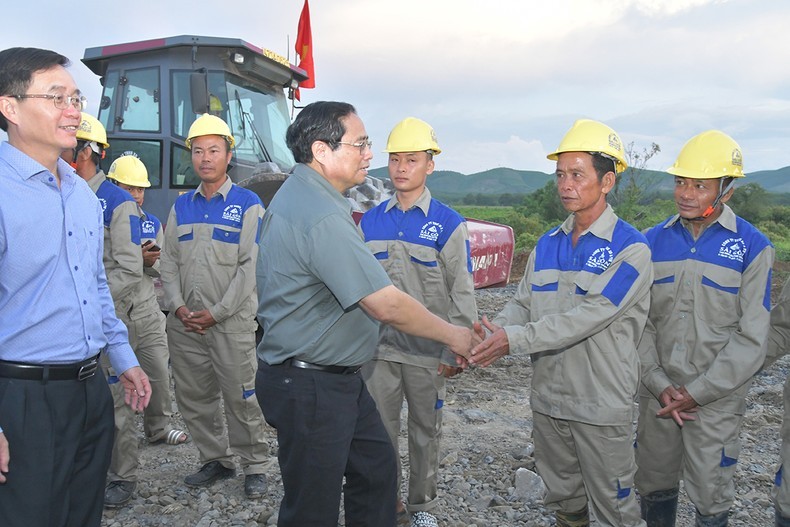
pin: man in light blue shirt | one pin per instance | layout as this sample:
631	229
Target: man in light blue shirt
56	313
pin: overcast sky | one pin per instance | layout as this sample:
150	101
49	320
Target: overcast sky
500	81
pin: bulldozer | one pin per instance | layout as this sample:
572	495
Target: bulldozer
153	90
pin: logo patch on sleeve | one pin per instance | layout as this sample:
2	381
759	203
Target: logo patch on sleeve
148	228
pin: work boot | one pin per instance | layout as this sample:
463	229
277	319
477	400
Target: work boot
255	485
781	521
573	519
208	474
660	508
118	493
714	520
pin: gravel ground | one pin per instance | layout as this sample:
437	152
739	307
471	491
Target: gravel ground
486	477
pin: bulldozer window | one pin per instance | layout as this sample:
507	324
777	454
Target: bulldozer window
106	104
182	175
149	152
141	108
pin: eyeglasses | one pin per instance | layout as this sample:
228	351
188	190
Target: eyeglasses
362	145
61	102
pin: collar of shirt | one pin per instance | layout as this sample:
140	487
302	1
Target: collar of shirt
223	190
726	219
311	177
602	228
423	202
95	182
27	167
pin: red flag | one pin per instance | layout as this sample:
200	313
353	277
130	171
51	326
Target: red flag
304	49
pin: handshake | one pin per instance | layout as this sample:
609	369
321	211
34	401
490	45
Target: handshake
481	345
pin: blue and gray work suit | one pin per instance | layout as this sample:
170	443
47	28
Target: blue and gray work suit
709	314
425	251
579	312
208	262
135	305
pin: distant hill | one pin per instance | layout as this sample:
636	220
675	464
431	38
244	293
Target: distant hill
450	185
771	180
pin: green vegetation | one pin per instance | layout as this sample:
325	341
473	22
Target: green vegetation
528	202
541	210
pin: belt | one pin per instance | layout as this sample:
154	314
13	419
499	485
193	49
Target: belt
342	370
53	372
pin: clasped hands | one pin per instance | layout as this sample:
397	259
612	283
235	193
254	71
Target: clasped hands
195	321
677	404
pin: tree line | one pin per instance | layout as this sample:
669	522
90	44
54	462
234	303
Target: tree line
634	198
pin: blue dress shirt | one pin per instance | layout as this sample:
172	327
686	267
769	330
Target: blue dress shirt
55	306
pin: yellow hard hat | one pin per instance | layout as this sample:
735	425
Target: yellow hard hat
412	135
208	124
92	130
129	170
709	155
594	137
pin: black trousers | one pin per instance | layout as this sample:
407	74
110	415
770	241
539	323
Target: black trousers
60	436
328	427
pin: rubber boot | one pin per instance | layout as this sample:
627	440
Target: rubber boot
714	520
573	519
660	508
781	521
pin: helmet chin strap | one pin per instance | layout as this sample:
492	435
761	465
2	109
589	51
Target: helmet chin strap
81	145
712	208
73	162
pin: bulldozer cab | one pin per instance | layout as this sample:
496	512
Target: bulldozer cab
154	90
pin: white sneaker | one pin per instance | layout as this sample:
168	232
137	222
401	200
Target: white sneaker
423	519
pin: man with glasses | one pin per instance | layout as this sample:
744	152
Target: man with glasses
321	292
56	312
123	264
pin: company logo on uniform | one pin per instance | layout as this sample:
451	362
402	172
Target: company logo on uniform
600	258
232	213
148	227
733	249
431	231
103	203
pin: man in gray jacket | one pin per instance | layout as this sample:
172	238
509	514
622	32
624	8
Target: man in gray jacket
709	314
208	270
579	312
424	246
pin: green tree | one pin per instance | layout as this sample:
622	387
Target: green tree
749	202
545	202
631	188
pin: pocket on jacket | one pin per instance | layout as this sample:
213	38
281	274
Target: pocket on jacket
720	288
225	242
